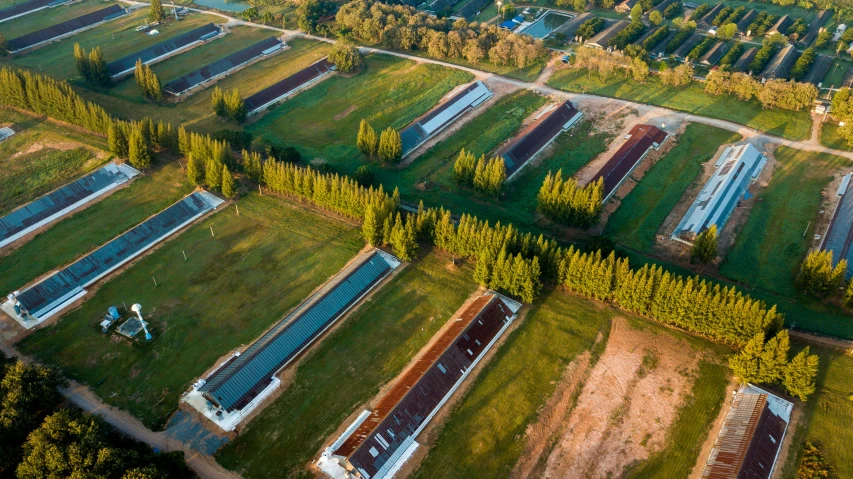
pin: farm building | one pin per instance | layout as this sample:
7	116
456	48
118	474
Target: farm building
745	59
439	6
659	50
220	68
380	441
62	288
707	20
815	27
839	237
602	39
569	28
472	9
512	22
660	7
544	130
639	142
681	52
745	21
780	65
736	169
64	29
164	49
62	201
289	86
424	128
242	382
625	6
25	8
781	25
714	54
819	69
751	436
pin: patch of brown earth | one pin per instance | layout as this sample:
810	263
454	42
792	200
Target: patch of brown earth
627	405
345	113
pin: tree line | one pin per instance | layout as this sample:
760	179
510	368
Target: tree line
766	362
566	202
147	81
229	105
40	437
92	66
387	147
787	95
485	175
208	161
818	277
404	28
842	110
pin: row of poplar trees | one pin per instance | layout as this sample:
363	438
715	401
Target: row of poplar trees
766	362
818	277
92	66
566	202
486	175
208	161
229	105
387	147
147	81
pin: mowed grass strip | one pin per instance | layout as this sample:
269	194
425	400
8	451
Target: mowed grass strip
66	241
46	18
830	137
794	125
348	367
484	436
642	212
772	244
233	286
41	157
828	415
323	121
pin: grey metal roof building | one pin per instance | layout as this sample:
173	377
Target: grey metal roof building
714	54
819	69
539	135
472	9
682	51
284	88
224	66
736	169
44	299
780	65
709	17
745	59
443	115
66	28
164	49
569	28
234	385
640	141
660	7
745	21
839	237
602	39
377	445
62	201
625	6
815	28
781	25
30	6
659	50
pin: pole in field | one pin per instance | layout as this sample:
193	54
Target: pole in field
259	190
211	231
237	208
155	281
185	254
807	229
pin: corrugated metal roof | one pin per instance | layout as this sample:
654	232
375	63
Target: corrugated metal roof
286	86
715	53
746	20
539	135
709	17
602	39
819	69
163	48
220	67
27	7
234	385
52	203
815	27
781	64
569	28
745	59
622	163
376	444
48	294
471	9
839	237
684	49
64	28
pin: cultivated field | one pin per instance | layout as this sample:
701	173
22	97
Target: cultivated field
233	286
642	212
347	369
795	125
41	157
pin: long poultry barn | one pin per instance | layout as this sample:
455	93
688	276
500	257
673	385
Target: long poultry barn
220	68
443	115
28	7
640	141
380	441
62	201
237	386
64	29
289	86
163	50
536	137
50	296
839	237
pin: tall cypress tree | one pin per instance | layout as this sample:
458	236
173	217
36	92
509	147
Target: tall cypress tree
370	228
800	374
705	246
194	170
138	153
213	173
98	68
227	183
217	99
156	13
117	139
82	62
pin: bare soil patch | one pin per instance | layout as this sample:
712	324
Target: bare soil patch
345	113
627	405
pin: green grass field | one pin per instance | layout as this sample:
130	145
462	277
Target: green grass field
33	22
259	265
88	229
829	137
642	212
828	415
794	125
348	367
41	157
484	435
770	247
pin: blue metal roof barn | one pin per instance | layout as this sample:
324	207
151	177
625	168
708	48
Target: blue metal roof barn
288	86
539	135
443	115
234	385
736	169
839	237
65	28
28	7
160	51
62	201
63	287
